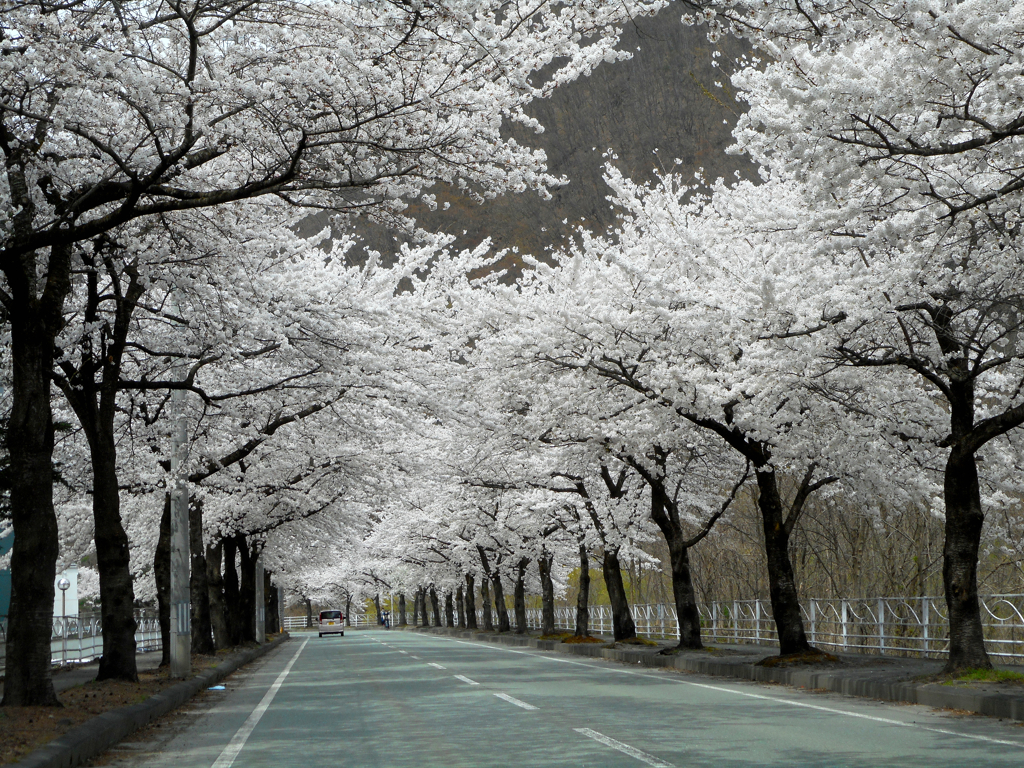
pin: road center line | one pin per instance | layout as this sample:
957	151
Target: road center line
466	679
625	748
514	700
762	697
435	666
227	757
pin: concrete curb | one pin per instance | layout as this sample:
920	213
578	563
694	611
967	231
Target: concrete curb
993	704
104	731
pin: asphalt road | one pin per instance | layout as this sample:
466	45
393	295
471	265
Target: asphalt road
377	698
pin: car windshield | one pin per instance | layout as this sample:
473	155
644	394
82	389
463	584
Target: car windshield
330	615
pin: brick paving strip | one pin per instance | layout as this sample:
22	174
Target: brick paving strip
885	678
98	734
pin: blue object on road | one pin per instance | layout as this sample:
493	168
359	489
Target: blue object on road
216	688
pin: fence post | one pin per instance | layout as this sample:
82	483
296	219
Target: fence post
714	620
843	620
881	625
925	603
757	619
813	618
736	620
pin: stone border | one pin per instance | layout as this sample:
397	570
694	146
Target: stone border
104	731
993	704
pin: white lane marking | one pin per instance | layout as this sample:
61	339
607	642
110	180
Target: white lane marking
631	751
416	657
465	679
227	757
773	699
405	652
514	700
435	666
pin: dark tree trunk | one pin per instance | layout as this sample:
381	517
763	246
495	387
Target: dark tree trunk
547	596
424	609
376	607
460	607
504	625
117	594
679	558
583	597
271	614
247	590
35	318
781	579
964	521
232	596
162	576
449	609
623	627
416	609
348	609
215	586
401	610
435	607
198	583
519	597
485	605
470	602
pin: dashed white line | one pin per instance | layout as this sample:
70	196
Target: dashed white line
405	652
624	748
514	700
227	757
762	697
435	666
465	679
415	657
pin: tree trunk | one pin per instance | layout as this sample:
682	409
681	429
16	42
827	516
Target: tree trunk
215	586
232	596
162	576
485	603
348	609
117	595
416	610
401	610
460	607
679	558
435	607
781	580
547	596
376	607
470	602
504	625
424	610
271	615
198	583
449	609
964	522
583	597
247	590
623	627
519	597
35	318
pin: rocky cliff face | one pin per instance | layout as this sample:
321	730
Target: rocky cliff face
659	107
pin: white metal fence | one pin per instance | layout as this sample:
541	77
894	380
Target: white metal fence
916	626
77	639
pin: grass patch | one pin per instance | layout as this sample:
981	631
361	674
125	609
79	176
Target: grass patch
986	676
572	639
799	659
637	641
559	636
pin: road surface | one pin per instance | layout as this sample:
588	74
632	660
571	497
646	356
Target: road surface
379	698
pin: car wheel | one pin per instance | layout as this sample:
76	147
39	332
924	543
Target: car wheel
321	634
341	634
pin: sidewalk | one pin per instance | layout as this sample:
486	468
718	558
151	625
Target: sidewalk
76	674
887	678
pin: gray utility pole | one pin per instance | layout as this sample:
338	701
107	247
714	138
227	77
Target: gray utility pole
261	604
181	630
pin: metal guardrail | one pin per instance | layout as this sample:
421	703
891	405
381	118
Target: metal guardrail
907	626
78	639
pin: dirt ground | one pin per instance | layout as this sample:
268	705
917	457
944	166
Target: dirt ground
24	729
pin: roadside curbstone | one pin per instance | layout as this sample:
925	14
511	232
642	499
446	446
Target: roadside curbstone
1009	706
104	731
